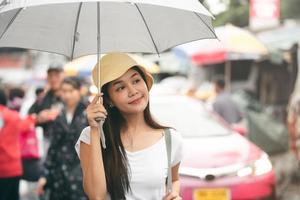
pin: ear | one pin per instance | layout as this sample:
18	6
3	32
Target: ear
111	105
109	102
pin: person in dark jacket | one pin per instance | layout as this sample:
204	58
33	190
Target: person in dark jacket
49	107
63	175
39	94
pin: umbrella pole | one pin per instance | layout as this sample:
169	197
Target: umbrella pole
101	122
227	75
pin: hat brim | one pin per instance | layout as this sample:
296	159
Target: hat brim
105	80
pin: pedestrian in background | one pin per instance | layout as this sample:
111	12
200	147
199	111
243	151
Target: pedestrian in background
49	107
39	94
293	124
223	103
11	125
63	176
28	145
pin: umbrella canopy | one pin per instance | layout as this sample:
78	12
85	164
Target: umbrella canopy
72	27
80	27
235	44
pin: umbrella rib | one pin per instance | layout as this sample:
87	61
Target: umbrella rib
207	26
10	23
137	7
75	30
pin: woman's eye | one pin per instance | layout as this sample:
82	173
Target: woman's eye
136	81
120	88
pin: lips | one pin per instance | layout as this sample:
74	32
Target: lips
136	101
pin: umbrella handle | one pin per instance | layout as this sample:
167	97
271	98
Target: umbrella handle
102	136
101	132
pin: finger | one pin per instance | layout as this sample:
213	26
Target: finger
97	110
97	117
172	196
169	196
96	106
96	98
97	114
175	198
91	106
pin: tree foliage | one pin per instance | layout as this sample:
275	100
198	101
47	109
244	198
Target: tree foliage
290	9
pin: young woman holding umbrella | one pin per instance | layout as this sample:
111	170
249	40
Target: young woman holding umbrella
134	164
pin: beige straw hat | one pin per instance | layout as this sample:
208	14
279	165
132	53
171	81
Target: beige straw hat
114	65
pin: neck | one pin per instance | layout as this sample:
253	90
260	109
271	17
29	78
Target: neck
71	108
135	123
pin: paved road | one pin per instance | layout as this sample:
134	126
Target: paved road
288	176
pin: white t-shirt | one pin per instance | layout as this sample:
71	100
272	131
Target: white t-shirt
148	167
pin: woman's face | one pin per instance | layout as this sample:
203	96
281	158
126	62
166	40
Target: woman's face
129	93
70	95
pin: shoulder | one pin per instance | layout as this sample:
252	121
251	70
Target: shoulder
10	115
84	137
177	146
176	136
47	97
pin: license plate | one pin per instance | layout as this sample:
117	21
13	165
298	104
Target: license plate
211	194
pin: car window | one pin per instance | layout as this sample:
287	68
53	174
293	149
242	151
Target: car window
187	116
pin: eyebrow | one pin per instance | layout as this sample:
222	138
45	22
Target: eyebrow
117	82
134	74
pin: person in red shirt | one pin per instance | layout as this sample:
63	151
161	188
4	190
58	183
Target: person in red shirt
10	154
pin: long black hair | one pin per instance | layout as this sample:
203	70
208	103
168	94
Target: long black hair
115	161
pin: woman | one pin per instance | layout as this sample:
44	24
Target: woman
134	163
11	125
63	175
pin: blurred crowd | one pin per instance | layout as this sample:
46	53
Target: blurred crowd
37	148
52	125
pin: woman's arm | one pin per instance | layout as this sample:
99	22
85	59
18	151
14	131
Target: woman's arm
94	182
174	195
175	179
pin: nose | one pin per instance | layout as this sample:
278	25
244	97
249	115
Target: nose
132	91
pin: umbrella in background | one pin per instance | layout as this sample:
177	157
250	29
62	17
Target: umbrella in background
280	39
80	27
151	67
235	44
84	65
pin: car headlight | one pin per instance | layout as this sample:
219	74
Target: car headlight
259	167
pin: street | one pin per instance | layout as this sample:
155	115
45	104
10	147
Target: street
288	179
